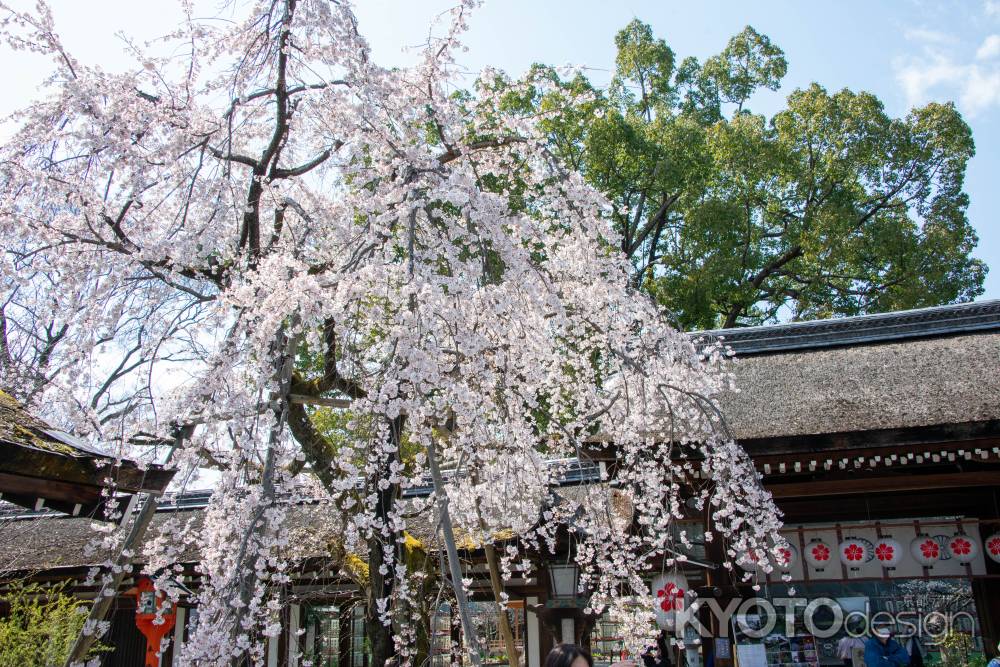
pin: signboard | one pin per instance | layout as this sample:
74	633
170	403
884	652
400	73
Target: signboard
751	655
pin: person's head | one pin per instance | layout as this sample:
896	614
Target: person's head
882	634
569	655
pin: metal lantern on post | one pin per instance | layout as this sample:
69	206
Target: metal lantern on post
564	577
154	616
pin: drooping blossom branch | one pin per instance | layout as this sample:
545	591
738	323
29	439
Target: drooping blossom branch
165	226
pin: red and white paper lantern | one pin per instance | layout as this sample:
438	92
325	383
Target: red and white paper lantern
853	553
925	550
669	591
818	554
888	552
749	561
993	547
786	557
963	548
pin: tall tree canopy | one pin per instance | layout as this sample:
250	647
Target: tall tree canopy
198	250
829	207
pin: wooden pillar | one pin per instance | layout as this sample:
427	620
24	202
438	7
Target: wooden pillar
532	635
716	578
175	646
345	625
292	635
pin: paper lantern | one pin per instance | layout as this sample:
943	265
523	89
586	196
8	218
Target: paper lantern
963	548
786	557
993	547
853	553
888	552
669	591
818	554
749	561
925	550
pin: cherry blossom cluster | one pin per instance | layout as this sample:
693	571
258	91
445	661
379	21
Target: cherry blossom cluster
260	212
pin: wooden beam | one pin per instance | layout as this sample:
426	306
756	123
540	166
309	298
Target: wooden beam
49	488
885	484
301	399
88	470
904	505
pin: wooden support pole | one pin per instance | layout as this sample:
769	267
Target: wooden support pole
454	567
107	593
109	590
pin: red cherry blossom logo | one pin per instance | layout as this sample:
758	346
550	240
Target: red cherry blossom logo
885	552
854	552
785	555
821	552
930	549
961	546
671	597
994	546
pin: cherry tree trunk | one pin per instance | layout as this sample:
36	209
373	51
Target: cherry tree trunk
380	634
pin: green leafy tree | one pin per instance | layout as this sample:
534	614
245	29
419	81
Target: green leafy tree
829	207
40	627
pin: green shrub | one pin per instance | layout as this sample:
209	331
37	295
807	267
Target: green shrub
41	626
957	650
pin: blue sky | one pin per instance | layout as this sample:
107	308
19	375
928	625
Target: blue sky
907	52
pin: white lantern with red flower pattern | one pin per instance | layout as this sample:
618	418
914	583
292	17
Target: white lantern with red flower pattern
888	552
964	548
925	550
669	591
786	557
749	561
853	553
818	554
993	547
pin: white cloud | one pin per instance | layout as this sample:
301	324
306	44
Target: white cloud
938	77
992	7
990	48
943	69
981	89
929	36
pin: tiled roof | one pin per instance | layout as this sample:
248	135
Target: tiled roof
951	320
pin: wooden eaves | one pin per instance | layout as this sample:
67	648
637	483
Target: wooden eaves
42	467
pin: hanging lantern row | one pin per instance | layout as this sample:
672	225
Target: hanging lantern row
854	552
910	458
